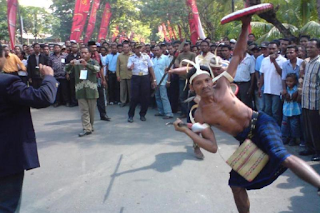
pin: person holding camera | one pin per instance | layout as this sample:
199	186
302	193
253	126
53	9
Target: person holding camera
72	92
33	66
18	147
86	87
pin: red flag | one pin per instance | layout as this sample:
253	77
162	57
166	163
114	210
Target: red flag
164	30
12	18
196	29
105	22
180	32
171	32
131	36
81	11
115	34
92	20
174	34
247	4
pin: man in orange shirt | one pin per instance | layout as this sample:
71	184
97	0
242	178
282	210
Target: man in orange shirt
13	64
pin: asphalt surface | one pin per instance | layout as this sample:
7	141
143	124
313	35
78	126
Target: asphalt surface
143	167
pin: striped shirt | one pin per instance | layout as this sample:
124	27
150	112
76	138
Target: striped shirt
311	85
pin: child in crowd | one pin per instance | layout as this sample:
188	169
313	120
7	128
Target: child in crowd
290	127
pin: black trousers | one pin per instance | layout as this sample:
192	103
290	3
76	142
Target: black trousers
113	87
101	104
72	91
63	92
36	82
311	128
10	192
140	93
242	94
173	92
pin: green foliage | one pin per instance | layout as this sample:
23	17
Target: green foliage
37	21
63	11
4	34
144	16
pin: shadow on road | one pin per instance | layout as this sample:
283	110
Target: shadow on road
165	162
63	122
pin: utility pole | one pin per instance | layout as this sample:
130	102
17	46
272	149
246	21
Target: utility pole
21	23
232	5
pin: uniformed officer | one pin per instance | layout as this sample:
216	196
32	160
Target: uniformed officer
141	66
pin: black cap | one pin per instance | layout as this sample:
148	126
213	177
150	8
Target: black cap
264	44
91	43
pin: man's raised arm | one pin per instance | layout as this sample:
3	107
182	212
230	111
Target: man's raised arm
240	47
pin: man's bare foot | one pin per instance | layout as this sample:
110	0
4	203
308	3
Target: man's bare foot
198	153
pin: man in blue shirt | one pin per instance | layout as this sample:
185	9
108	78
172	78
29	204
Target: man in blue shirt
292	65
113	83
160	63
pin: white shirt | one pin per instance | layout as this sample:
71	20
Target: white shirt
104	63
272	80
245	69
141	64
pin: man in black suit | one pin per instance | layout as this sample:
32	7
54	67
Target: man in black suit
33	66
70	77
18	148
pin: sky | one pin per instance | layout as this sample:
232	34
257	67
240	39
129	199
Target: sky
38	3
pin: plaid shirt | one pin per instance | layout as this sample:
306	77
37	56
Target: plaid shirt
58	63
311	85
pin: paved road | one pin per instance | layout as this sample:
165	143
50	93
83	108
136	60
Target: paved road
143	167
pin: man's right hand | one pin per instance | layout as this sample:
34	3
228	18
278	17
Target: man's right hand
284	93
179	128
259	93
118	78
30	80
246	20
45	70
131	67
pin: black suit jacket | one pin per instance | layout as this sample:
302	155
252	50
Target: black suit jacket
18	148
32	63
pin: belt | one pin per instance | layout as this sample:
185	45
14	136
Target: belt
253	123
242	82
140	74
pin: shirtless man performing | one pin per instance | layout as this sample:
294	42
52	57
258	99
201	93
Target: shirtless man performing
219	107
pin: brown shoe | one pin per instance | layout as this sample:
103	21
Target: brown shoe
198	153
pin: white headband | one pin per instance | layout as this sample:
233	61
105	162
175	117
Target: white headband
196	65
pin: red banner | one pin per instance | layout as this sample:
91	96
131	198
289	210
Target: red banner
105	22
196	30
131	36
164	30
12	18
180	32
92	20
81	11
115	34
171	32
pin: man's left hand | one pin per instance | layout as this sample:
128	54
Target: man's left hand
83	62
154	85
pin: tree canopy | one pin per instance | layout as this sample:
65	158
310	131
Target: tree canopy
142	17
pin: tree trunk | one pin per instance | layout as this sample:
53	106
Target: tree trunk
318	9
270	16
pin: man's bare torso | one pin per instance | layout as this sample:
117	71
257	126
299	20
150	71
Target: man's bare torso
224	111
